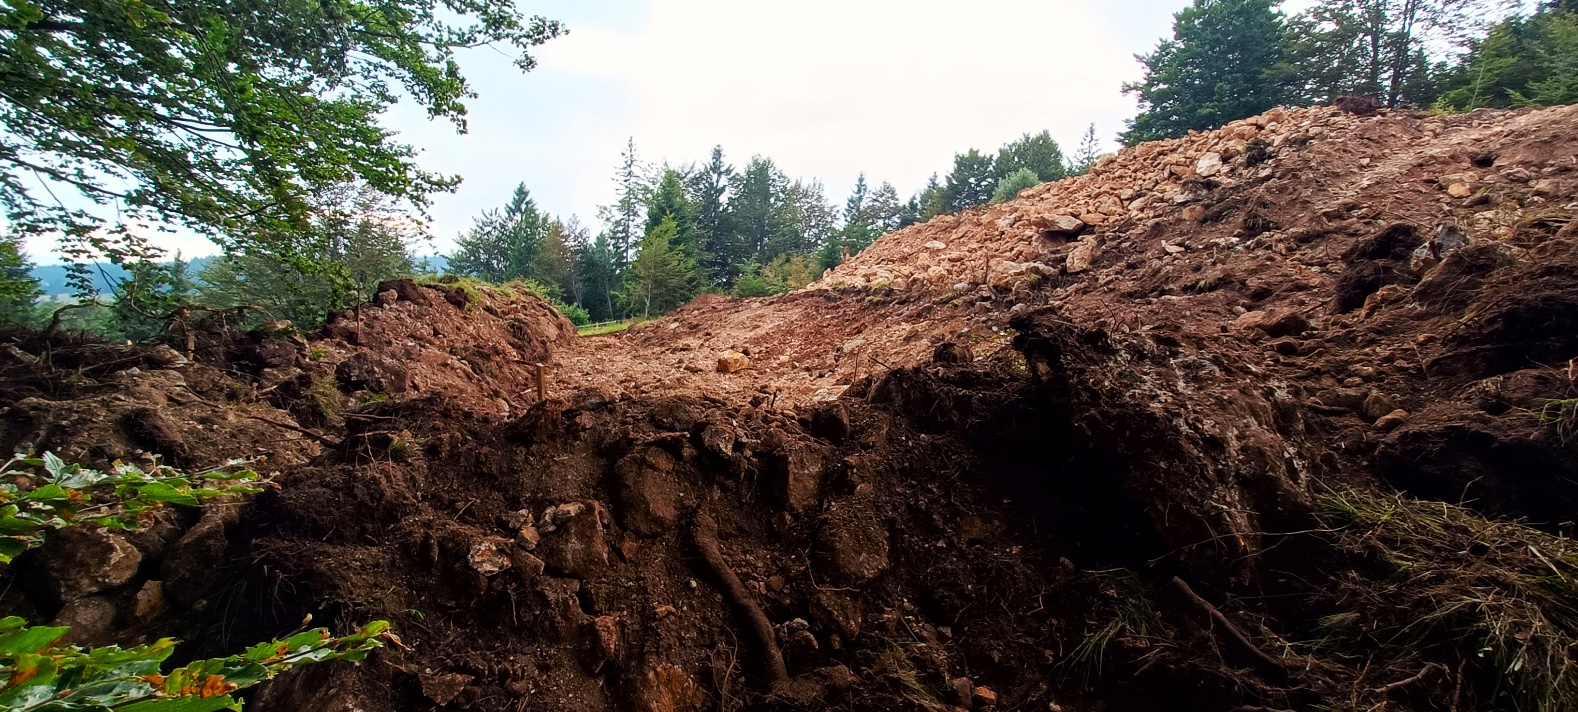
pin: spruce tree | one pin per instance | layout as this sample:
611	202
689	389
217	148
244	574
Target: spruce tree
1212	71
503	244
720	245
1037	153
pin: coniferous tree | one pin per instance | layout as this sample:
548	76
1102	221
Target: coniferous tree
720	248
970	183
597	266
626	218
1008	188
1521	61
924	205
756	206
1089	150
668	199
503	244
18	289
885	209
1213	70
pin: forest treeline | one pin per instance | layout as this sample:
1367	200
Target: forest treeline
268	143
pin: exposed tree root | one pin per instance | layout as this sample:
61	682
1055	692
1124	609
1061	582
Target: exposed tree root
1239	643
705	531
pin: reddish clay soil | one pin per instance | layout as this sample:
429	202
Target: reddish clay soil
1060	453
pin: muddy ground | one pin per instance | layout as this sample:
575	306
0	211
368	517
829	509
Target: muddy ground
997	461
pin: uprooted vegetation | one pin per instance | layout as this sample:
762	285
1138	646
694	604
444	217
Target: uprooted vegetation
1291	435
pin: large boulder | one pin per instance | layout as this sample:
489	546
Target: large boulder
81	561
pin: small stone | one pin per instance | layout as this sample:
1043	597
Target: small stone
1059	224
1392	420
442	689
386	298
1209	165
1286	346
1081	257
526	565
91	619
601	642
1174	249
1376	406
528	537
648	501
963	690
1459	190
732	361
936	245
853	546
985	697
1274	323
663	611
489	556
149	602
577	546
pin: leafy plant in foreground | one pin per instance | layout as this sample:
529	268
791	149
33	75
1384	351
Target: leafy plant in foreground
43	676
38	674
40	494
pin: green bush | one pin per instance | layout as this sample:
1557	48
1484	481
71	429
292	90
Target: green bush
1008	188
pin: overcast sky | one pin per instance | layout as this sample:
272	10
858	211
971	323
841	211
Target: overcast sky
827	88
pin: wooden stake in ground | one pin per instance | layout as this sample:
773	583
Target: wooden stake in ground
542	381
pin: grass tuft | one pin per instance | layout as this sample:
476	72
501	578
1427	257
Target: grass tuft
1457	591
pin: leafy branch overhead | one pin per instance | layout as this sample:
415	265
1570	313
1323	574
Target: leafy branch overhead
228	118
38	495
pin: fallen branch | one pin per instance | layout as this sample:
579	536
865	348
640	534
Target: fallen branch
315	435
1262	662
705	531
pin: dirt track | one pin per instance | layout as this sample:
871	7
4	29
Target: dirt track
1073	452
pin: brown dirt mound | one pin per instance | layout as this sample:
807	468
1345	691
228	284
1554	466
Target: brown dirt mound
1074	451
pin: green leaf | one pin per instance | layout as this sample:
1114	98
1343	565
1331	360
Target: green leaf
30	640
161	492
47	492
54	464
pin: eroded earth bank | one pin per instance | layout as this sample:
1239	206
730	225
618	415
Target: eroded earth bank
1276	417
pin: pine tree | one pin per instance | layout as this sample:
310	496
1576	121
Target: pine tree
668	199
662	276
970	183
1214	69
18	289
885	209
597	265
1008	188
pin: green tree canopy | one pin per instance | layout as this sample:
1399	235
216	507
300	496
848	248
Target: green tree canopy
1522	61
1212	71
970	183
1037	153
662	276
227	117
504	244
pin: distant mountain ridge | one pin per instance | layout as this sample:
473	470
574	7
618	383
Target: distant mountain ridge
52	279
